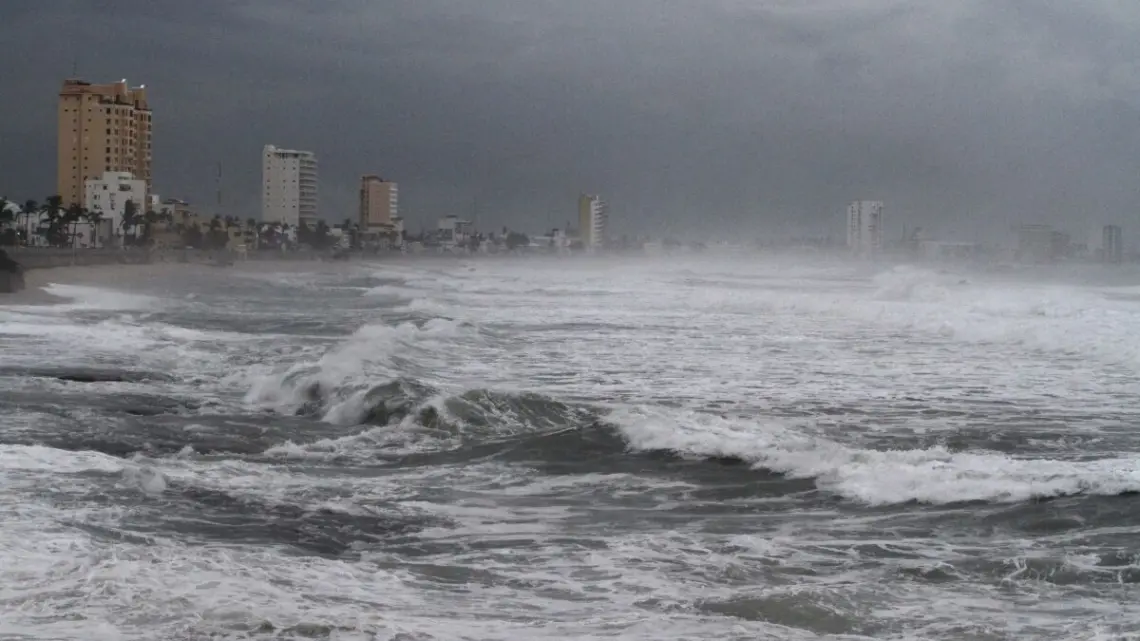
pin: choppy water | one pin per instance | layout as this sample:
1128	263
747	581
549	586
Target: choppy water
565	450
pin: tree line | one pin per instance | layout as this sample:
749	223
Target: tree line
60	226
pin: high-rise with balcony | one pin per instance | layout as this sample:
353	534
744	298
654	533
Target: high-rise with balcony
289	186
593	219
102	128
379	202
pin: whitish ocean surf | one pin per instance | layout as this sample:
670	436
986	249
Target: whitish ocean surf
548	449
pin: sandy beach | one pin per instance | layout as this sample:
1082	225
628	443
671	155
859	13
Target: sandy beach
124	277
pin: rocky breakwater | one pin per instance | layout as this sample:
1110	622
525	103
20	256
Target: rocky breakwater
11	274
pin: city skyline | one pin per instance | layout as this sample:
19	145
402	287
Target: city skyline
1031	116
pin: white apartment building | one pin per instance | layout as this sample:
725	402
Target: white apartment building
289	186
593	219
454	232
109	196
865	227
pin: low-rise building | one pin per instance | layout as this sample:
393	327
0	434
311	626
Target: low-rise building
865	227
1038	243
454	232
948	250
108	197
1113	244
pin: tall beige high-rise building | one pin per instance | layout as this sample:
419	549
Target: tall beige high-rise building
379	202
102	128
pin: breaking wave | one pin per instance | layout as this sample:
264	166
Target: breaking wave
403	416
934	475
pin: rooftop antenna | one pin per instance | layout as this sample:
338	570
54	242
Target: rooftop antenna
219	185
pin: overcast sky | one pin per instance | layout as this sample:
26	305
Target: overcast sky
738	115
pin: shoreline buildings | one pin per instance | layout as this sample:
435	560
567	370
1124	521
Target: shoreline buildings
865	227
288	186
379	222
379	202
593	219
109	196
1112	240
1039	243
101	129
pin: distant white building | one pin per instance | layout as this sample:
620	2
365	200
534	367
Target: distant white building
288	186
593	220
109	196
454	232
865	227
556	241
1113	242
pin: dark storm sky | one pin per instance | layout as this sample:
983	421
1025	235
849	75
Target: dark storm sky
728	115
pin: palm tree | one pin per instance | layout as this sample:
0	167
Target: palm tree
74	215
95	217
7	218
56	232
151	219
30	208
130	221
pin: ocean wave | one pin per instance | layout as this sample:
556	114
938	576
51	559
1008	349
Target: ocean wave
335	385
934	475
389	291
98	298
906	283
406	417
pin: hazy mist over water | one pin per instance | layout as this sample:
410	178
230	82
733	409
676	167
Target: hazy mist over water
680	448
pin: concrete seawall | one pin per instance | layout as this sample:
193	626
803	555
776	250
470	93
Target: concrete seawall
47	258
43	258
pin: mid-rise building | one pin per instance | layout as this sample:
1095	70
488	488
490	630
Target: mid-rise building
379	202
865	227
1113	243
289	186
108	196
593	220
101	128
1039	243
453	232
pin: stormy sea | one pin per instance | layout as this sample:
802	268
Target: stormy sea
682	448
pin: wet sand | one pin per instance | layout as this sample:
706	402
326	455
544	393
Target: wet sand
123	277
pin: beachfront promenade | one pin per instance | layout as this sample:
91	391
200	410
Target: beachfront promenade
44	258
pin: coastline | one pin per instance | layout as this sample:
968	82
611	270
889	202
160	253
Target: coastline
124	275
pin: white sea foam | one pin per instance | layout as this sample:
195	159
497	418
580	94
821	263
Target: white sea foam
933	475
810	370
86	297
363	359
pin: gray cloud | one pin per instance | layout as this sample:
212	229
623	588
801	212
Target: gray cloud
730	114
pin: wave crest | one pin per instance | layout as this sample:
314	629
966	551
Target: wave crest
874	477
